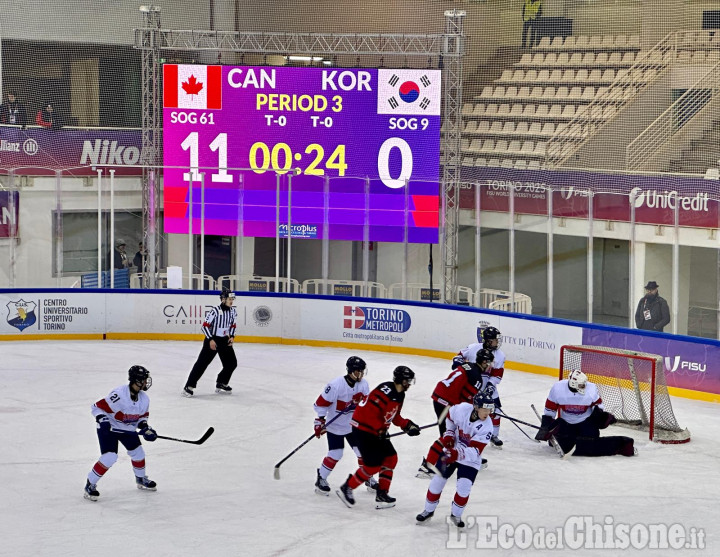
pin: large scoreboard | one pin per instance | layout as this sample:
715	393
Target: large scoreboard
362	148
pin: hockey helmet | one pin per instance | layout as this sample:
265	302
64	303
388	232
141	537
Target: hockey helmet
484	399
484	355
403	373
354	363
138	375
577	381
227	293
489	334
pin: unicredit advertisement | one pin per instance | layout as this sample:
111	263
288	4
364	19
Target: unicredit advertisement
653	198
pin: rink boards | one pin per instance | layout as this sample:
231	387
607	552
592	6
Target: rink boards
530	343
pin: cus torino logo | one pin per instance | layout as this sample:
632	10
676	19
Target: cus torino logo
674	363
654	199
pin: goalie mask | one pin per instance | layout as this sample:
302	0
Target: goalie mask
577	381
140	376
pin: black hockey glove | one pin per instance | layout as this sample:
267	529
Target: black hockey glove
457	361
412	429
548	427
148	433
103	423
603	419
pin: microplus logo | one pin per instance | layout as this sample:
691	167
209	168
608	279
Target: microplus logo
654	199
673	364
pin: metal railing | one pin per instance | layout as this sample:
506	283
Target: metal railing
697	101
503	300
199	282
333	287
257	283
619	93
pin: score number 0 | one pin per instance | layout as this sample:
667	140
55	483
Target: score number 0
219	144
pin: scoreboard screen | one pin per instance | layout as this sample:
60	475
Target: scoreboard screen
362	147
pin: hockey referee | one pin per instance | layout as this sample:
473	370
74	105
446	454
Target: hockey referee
219	330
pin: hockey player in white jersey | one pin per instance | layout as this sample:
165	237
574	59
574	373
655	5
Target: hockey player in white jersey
340	396
469	429
122	417
580	412
492	339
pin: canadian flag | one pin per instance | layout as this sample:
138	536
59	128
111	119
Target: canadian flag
192	86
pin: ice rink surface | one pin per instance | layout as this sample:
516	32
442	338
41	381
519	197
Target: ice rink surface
220	499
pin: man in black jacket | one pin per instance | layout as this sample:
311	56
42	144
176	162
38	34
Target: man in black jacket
652	313
13	112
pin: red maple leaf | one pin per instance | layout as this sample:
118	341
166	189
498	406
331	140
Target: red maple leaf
192	86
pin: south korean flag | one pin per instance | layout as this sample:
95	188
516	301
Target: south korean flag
409	92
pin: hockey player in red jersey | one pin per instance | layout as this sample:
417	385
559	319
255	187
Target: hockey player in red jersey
491	339
469	429
340	396
370	422
463	383
121	418
581	417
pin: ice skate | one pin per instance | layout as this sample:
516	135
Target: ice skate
372	485
188	391
145	483
222	388
321	485
91	493
383	500
484	464
425	472
457	521
424	516
346	494
496	442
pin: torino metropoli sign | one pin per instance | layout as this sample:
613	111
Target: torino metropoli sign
361	147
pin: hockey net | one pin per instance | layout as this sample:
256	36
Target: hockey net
632	386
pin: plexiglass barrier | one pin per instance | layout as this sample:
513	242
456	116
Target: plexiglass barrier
562	244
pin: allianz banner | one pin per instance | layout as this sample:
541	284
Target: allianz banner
654	197
41	152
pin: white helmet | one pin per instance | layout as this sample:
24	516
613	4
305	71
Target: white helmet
577	381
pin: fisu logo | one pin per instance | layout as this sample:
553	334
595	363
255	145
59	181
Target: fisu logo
568	192
673	364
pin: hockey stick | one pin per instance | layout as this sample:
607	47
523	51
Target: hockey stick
553	442
441	419
515	420
512	421
200	441
276	473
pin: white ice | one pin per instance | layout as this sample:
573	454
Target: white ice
221	499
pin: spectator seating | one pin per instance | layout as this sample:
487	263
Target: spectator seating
510	122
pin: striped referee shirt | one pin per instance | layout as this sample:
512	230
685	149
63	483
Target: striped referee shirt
219	323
